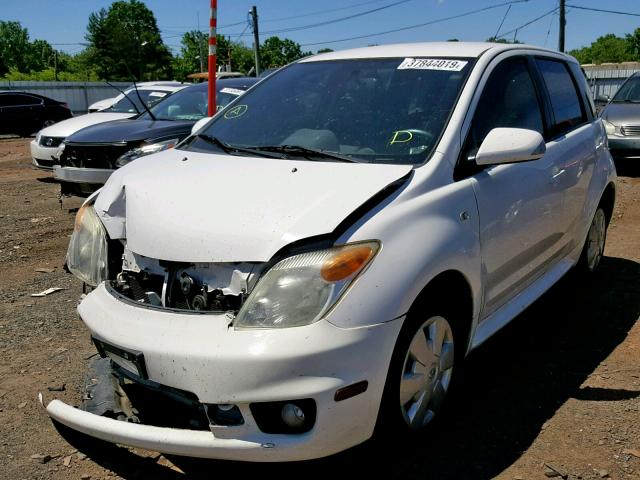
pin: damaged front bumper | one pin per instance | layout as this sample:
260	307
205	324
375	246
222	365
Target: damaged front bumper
203	355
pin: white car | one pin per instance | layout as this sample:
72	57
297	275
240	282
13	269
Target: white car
45	146
108	102
316	261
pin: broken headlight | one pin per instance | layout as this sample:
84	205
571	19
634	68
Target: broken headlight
299	290
145	150
87	253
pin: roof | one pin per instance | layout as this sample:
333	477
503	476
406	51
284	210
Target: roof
424	49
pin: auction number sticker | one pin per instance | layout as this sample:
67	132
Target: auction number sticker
432	64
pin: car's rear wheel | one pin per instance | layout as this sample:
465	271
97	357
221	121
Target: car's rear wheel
47	123
421	372
593	249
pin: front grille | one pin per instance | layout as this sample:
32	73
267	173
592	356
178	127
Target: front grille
92	156
630	130
50	142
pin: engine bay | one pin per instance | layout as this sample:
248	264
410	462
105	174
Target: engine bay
213	287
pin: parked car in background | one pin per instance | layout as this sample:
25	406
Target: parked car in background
45	146
89	156
108	102
318	259
24	113
621	119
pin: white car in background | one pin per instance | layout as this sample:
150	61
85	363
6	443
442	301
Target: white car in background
317	260
108	102
44	147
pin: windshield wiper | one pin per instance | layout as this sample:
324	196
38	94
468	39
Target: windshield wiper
308	153
231	149
125	96
625	100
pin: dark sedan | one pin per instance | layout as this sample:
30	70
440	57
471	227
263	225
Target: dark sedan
24	113
89	156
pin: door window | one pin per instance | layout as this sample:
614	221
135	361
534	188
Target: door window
17	99
509	100
565	101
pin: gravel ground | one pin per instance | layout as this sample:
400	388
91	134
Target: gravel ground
556	394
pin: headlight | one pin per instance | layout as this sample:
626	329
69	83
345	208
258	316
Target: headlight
38	135
145	150
301	289
87	253
610	128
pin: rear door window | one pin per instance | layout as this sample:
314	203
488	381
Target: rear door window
568	111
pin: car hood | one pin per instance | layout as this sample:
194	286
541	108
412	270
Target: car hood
622	113
124	131
72	125
195	207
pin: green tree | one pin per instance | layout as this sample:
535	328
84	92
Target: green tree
501	40
195	43
276	52
14	47
633	44
125	43
608	48
325	50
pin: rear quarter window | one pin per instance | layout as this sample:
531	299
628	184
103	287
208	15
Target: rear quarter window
568	111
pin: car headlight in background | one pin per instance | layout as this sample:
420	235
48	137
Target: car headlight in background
299	290
87	252
145	150
38	135
610	128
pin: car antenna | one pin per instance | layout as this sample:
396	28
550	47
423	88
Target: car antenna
153	117
125	95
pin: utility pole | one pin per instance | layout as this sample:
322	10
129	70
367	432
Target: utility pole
562	25
256	38
211	89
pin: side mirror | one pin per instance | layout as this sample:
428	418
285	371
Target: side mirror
199	124
602	99
510	145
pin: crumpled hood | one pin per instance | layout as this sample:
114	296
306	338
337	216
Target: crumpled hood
73	124
622	113
132	130
194	207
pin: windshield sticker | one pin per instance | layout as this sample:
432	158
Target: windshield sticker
432	64
236	111
232	91
158	94
401	136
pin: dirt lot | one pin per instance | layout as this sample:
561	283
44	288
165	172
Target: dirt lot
557	391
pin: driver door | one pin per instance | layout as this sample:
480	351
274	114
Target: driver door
519	206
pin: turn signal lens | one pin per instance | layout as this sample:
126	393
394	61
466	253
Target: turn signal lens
345	263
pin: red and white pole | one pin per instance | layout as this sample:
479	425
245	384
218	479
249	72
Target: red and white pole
212	57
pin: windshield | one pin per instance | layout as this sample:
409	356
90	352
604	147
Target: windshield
371	110
629	91
191	103
124	105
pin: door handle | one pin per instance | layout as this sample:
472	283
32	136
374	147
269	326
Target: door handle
555	177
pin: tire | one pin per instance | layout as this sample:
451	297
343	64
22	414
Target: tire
421	371
47	123
593	249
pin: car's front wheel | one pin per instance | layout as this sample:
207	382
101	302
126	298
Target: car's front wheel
420	373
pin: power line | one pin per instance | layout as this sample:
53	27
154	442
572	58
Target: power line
502	22
617	12
409	27
320	12
550	12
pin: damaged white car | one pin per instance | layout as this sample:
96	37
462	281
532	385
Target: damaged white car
316	261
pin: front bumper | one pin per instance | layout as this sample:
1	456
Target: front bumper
94	176
41	157
620	146
201	354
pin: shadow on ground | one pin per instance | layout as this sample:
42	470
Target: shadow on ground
513	384
628	167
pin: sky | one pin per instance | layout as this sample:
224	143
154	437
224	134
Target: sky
63	22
